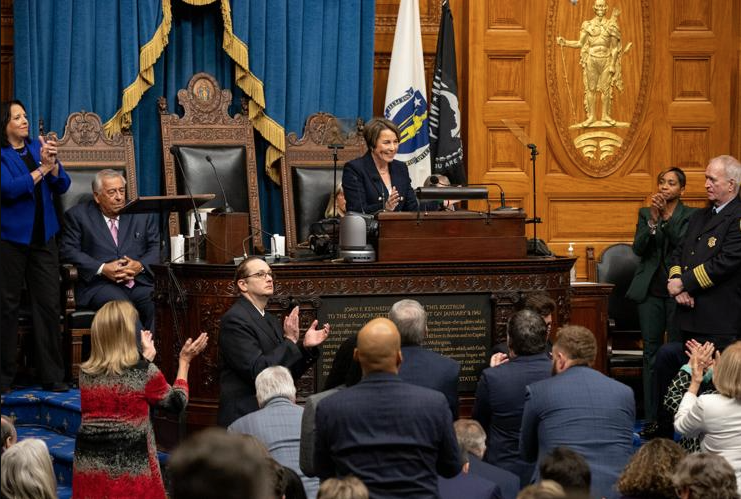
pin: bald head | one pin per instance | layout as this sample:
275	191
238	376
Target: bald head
379	347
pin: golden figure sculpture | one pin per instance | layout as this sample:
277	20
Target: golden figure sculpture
600	59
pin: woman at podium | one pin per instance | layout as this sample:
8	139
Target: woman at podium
376	181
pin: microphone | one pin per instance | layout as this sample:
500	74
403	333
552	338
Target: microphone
503	205
335	146
199	223
247	239
227	208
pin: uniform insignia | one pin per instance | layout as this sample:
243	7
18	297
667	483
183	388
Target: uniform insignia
711	242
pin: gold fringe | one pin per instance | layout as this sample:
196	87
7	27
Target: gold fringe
148	56
199	2
253	87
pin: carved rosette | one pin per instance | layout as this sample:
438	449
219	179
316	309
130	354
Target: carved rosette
600	148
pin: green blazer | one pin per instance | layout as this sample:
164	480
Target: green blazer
649	247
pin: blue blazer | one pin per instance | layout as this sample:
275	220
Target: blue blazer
365	192
18	201
508	482
426	368
468	485
87	243
586	411
395	437
500	398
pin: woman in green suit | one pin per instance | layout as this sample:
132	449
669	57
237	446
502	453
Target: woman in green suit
661	225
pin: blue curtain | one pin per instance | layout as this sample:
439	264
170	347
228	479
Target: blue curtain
311	55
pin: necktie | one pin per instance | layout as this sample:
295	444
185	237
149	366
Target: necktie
114	230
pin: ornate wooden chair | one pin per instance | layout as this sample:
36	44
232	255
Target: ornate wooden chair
207	130
616	265
307	171
84	150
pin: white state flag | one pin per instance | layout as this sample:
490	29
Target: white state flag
406	101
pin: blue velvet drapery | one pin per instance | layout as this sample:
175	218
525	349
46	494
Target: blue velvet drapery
311	55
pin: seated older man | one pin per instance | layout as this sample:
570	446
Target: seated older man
278	422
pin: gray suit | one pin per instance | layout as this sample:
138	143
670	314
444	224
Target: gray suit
278	426
587	412
308	430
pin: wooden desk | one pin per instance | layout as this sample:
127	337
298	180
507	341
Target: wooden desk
207	291
589	309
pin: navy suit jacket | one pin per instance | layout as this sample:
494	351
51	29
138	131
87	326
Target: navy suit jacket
500	398
248	343
395	437
364	190
426	368
586	411
508	482
469	486
87	243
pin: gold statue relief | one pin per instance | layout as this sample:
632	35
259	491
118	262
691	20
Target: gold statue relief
600	42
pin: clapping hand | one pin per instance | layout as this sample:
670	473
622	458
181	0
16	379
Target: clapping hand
148	350
315	337
498	359
191	348
290	325
700	360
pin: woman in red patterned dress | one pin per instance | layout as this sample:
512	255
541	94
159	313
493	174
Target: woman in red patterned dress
115	452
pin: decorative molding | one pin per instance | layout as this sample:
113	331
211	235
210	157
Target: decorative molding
429	20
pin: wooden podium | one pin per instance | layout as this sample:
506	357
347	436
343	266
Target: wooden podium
226	233
451	236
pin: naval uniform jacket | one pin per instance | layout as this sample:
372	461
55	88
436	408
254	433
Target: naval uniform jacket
708	260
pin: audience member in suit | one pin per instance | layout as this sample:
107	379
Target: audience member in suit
649	472
251	339
396	437
376	181
113	252
582	409
472	441
704	476
500	394
31	180
468	485
278	422
212	464
423	367
567	468
659	229
542	304
705	275
715	416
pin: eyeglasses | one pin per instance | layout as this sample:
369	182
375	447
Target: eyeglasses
260	275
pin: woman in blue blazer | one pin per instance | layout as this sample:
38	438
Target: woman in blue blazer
31	178
376	181
660	228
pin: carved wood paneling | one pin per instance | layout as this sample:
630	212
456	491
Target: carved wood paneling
692	78
692	15
507	76
690	148
569	222
507	14
505	153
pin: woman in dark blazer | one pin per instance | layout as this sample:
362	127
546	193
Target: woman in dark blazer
376	181
660	228
31	178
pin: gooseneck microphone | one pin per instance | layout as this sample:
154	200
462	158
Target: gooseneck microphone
199	223
227	208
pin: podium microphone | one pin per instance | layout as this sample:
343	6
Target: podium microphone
199	223
503	205
227	208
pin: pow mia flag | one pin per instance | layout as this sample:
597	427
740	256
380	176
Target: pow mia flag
446	147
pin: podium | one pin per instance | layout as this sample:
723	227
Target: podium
227	235
451	236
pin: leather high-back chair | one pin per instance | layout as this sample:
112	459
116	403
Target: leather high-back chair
206	129
307	171
85	150
617	265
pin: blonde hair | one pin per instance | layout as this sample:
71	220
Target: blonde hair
27	472
727	372
112	339
349	487
546	489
